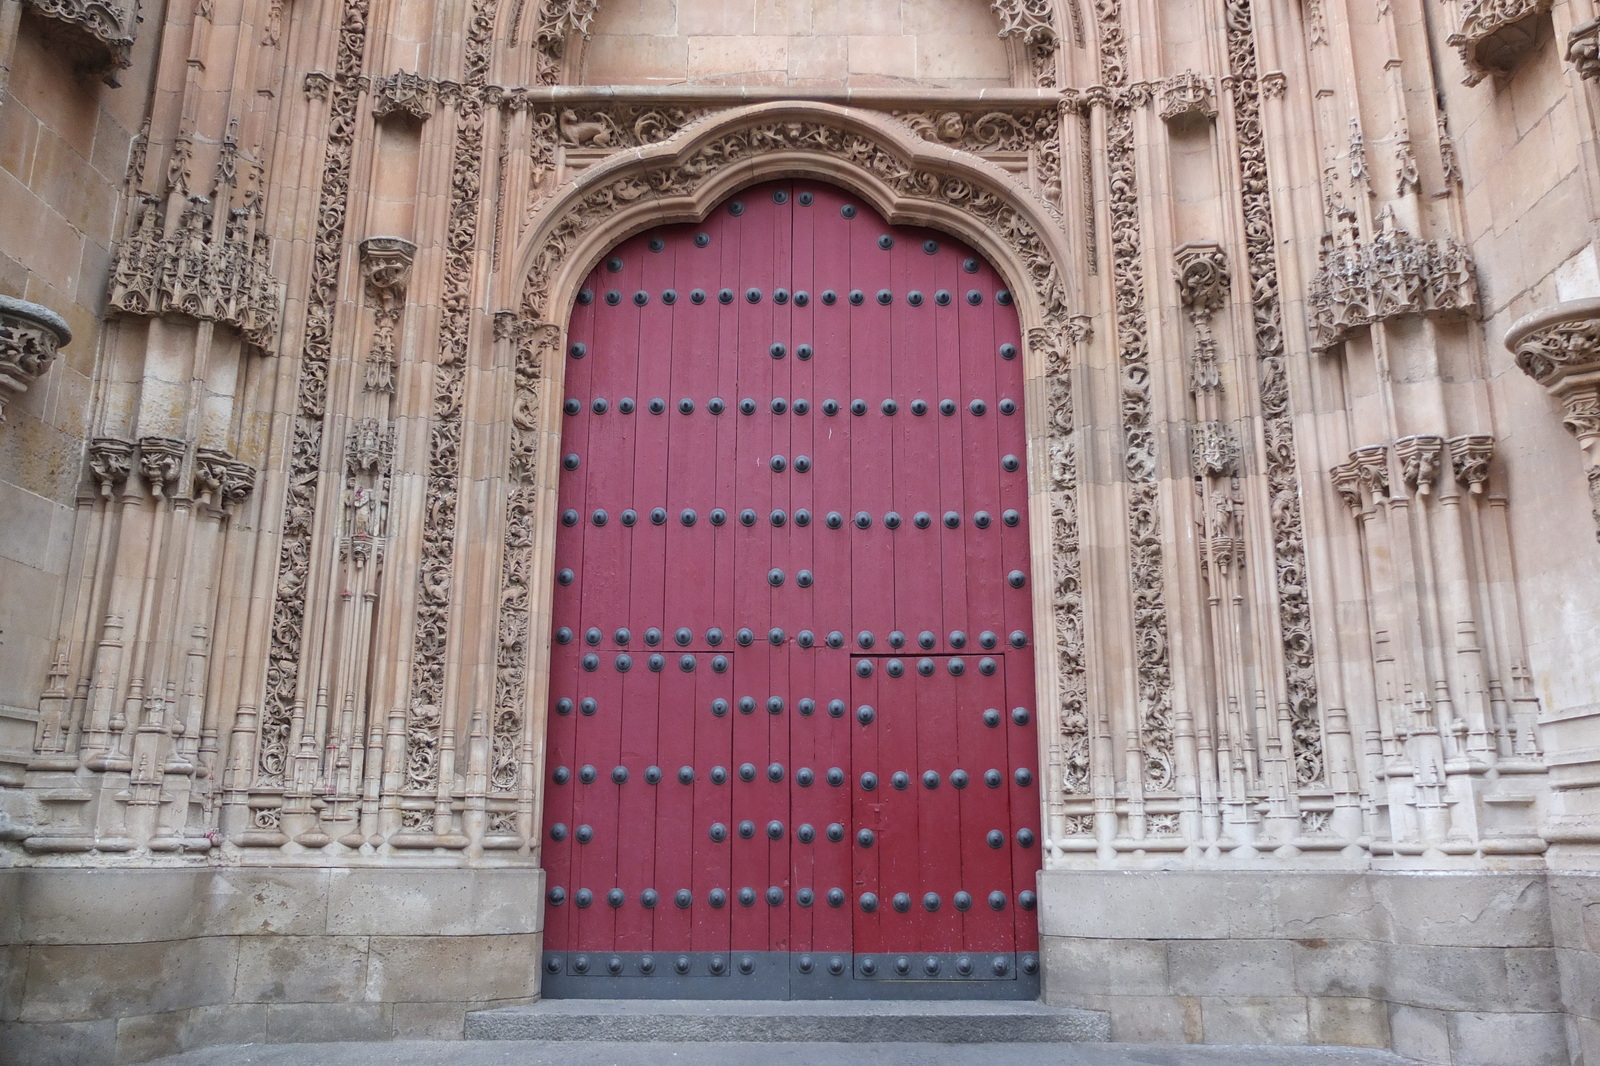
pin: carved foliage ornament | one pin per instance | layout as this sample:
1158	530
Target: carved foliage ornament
30	336
1277	423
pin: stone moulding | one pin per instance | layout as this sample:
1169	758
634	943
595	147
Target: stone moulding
1559	347
30	336
97	36
906	178
1495	34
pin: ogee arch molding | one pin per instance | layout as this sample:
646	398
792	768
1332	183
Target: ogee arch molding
910	182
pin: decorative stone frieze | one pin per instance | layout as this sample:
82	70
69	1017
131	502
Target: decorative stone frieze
1583	49
1394	274
1559	348
1495	34
97	35
617	126
404	92
30	336
1187	96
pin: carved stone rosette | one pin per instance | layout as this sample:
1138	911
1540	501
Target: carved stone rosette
30	336
1495	34
1559	348
97	36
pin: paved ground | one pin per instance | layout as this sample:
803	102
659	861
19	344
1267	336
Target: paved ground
581	1053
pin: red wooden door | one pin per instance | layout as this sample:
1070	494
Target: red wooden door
792	749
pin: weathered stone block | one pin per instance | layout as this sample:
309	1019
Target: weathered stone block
1231	967
441	902
301	969
1348	1022
1254	1019
431	1021
1341	967
80	983
1419	1033
1507	1039
1133	904
254	901
111	906
1464	909
319	1022
1155	1019
57	1043
1110	967
421	969
1580	982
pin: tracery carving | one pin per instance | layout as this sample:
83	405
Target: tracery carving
1277	423
305	449
1146	564
554	21
99	34
1495	34
1213	449
1034	22
30	336
402	91
1393	274
1187	95
213	263
437	565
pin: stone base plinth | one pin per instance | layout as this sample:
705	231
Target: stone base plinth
124	965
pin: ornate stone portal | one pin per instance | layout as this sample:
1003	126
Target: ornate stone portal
1291	508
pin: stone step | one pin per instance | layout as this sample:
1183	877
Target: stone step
716	1021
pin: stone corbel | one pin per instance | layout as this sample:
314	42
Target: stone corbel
110	461
1495	34
1187	96
405	92
161	463
1559	348
30	336
1469	459
95	36
1583	49
1371	465
1420	458
386	268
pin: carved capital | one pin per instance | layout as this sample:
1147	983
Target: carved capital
1583	49
386	269
210	470
1347	482
238	481
1558	345
1372	468
1201	270
1420	457
96	36
30	335
1495	34
316	85
1469	459
405	92
110	461
161	462
1187	96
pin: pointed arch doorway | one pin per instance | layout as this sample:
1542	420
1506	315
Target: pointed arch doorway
792	747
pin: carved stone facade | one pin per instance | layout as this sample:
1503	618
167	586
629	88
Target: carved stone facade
1301	365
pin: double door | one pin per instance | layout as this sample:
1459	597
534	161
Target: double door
792	748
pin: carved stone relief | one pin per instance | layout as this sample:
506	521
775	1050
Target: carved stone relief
98	34
30	336
405	92
1187	95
